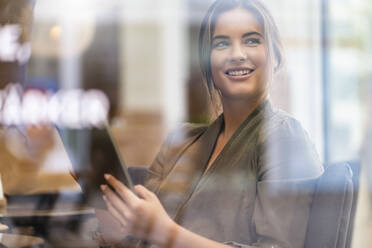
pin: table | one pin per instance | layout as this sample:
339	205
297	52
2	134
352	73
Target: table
16	241
59	222
24	212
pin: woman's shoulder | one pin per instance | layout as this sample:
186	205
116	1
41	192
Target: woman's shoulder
288	147
279	122
176	142
184	134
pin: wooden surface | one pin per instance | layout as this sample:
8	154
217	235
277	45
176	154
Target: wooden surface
16	240
139	137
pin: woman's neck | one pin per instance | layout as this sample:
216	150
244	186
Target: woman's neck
235	112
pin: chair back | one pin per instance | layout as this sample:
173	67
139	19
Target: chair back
333	208
355	167
138	174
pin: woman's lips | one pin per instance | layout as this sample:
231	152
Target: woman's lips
239	73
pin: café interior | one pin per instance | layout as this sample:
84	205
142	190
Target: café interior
135	63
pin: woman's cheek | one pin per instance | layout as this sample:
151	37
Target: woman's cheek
216	68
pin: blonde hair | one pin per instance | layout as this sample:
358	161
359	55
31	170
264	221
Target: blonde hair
271	36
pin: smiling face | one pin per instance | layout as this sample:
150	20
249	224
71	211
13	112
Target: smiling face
239	56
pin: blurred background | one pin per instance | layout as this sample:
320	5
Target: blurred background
143	55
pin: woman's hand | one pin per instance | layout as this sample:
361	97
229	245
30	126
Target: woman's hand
140	215
111	231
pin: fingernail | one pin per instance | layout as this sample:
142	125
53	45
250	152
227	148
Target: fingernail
103	187
107	176
104	198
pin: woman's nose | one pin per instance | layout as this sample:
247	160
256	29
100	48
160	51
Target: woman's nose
237	54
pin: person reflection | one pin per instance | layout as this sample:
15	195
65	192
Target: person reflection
23	148
246	180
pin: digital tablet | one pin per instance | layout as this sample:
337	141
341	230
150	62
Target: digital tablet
93	152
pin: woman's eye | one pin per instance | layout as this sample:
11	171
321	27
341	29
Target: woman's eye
220	44
252	42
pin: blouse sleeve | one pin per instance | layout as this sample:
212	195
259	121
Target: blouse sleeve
287	171
175	143
156	170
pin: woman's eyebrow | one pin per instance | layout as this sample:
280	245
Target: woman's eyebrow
220	37
252	33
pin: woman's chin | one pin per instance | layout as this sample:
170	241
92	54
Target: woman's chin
241	95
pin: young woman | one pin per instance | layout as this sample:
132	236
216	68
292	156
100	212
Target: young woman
247	179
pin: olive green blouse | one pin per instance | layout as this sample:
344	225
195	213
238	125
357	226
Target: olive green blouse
257	192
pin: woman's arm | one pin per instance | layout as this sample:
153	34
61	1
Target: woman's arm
288	167
144	217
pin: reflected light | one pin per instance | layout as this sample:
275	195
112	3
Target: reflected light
71	108
62	31
55	33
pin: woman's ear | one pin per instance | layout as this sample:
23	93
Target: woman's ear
278	58
277	64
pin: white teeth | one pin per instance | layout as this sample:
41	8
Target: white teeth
238	73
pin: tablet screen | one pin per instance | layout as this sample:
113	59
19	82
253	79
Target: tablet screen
92	152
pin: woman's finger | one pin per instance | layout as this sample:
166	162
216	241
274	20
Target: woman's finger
115	212
128	196
142	192
116	202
